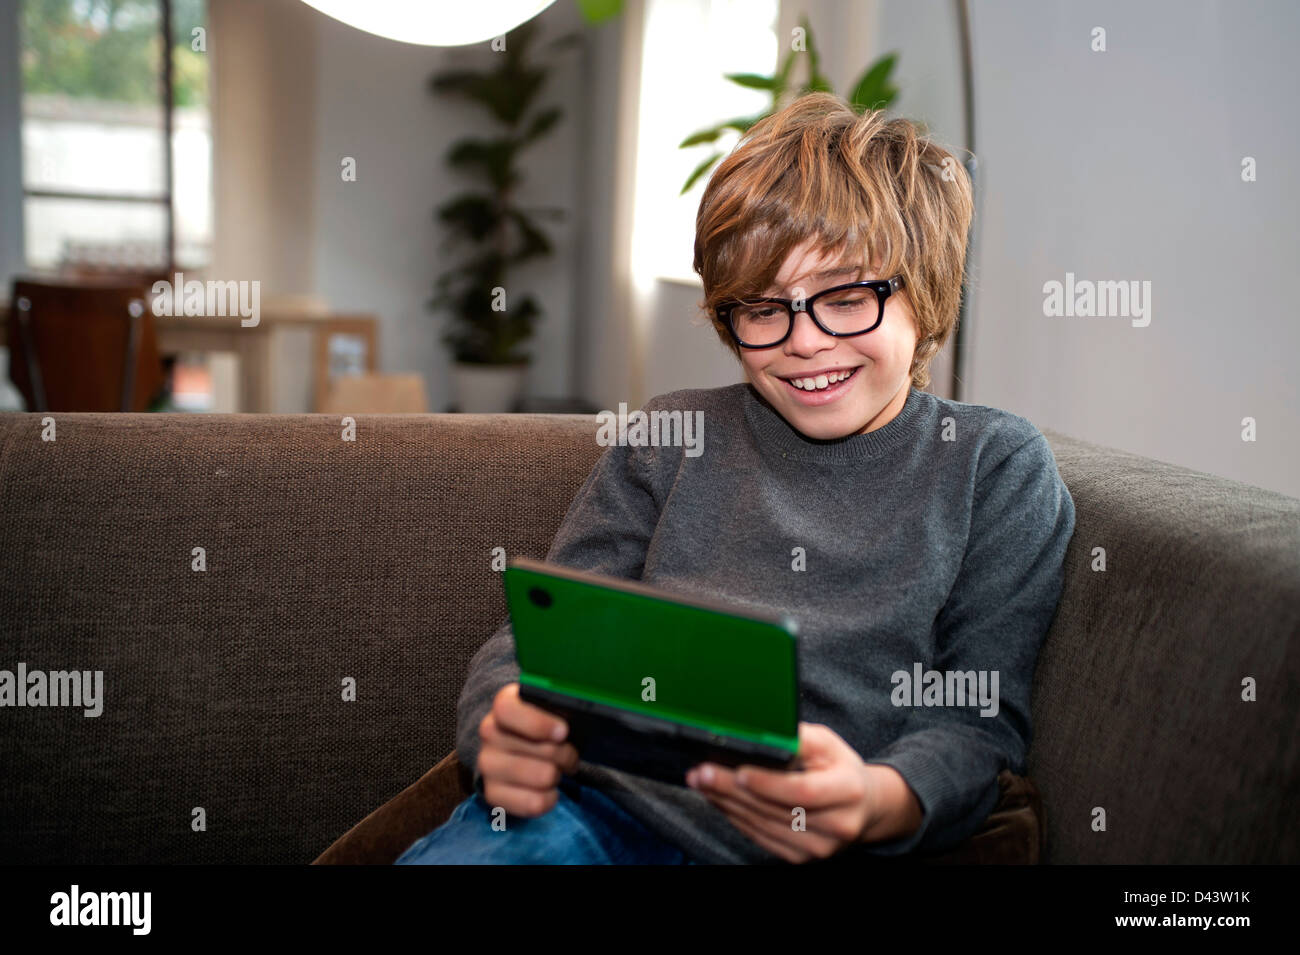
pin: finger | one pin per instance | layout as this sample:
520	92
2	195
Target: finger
724	782
516	770
564	755
830	784
820	747
776	837
568	758
821	789
817	791
807	842
517	801
773	846
817	740
523	719
834	823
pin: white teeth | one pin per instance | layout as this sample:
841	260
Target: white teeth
821	381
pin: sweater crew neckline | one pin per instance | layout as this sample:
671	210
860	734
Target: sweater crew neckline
776	435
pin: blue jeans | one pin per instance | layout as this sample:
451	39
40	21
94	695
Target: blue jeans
585	827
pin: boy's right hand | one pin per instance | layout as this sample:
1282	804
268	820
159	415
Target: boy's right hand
519	758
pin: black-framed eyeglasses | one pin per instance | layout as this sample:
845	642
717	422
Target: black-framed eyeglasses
846	310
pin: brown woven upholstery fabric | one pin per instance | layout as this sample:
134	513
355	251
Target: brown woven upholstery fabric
1012	835
326	559
1137	698
329	559
417	810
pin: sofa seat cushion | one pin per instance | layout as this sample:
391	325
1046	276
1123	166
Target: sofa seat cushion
1014	833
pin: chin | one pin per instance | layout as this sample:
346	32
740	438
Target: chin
827	429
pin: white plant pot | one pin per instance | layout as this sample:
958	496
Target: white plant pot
488	389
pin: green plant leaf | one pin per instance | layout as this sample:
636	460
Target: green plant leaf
507	93
509	88
699	171
472	215
501	234
598	11
541	124
534	241
703	136
874	86
753	81
566	42
452	81
741	124
493	157
783	74
745	123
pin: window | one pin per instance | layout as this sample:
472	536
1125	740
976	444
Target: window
688	45
116	172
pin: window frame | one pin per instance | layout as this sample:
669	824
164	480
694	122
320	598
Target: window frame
167	198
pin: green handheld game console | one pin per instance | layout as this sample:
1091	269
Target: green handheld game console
651	682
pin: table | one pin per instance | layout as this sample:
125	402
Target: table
253	344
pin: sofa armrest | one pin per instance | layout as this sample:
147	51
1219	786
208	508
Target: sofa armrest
1014	833
416	811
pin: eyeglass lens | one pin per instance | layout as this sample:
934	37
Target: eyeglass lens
844	312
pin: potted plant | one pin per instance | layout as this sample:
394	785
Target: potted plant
873	90
491	322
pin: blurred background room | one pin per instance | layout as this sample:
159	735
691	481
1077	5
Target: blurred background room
342	202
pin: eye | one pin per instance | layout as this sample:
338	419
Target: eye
759	312
848	301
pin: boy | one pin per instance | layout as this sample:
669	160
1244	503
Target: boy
911	536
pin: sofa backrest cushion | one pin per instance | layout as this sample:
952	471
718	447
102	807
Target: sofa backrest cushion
1139	698
325	560
371	560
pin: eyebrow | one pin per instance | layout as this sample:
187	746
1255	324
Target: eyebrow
831	273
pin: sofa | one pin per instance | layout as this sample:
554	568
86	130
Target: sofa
287	694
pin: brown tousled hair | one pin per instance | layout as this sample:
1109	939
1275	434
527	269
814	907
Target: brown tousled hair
863	188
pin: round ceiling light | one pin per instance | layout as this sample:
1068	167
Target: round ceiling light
432	22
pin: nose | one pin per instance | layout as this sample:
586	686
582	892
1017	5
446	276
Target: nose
806	338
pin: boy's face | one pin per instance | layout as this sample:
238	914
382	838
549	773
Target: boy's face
880	359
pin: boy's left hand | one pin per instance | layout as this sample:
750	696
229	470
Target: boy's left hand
842	797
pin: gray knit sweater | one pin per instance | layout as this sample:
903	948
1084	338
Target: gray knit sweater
935	543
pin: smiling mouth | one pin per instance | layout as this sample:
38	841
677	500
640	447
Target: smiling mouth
821	382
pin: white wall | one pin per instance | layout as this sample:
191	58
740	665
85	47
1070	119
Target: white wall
263	121
263	114
604	351
1123	165
1127	165
929	79
294	92
377	242
683	350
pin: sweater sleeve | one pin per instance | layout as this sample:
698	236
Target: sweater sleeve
995	619
606	530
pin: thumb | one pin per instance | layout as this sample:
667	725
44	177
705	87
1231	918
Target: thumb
818	744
